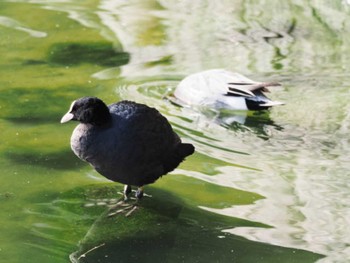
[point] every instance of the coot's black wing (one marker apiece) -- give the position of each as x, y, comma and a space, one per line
151, 148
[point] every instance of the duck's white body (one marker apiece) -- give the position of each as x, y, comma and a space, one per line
220, 88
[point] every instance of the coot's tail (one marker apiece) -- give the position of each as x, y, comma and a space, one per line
185, 149
181, 152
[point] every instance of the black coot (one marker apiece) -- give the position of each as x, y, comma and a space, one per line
126, 142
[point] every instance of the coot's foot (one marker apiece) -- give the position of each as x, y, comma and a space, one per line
123, 207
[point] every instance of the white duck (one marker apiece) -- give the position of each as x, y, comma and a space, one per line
219, 88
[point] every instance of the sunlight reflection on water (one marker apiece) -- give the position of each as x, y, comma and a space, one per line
299, 161
297, 176
305, 190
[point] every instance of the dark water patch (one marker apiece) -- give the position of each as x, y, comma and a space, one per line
33, 62
37, 105
169, 225
201, 193
206, 164
195, 133
6, 196
174, 241
57, 221
29, 120
186, 119
218, 147
64, 160
209, 165
165, 227
164, 61
258, 122
99, 53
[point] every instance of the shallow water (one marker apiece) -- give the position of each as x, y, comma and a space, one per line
262, 187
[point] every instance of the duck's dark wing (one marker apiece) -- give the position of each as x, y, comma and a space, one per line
247, 89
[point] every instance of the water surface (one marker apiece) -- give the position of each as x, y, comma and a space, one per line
262, 187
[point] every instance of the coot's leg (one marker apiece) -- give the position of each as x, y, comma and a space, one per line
139, 193
127, 191
125, 207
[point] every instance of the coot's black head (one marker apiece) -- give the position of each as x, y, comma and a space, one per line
90, 110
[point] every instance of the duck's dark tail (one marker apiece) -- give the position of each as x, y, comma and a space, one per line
181, 152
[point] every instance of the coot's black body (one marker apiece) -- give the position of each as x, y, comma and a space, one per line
126, 142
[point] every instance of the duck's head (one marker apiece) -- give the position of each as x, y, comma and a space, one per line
90, 110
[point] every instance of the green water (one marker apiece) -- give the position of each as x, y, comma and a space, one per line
272, 188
